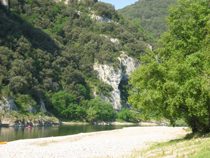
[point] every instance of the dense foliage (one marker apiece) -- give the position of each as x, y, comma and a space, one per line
47, 52
93, 110
128, 115
174, 81
151, 13
98, 110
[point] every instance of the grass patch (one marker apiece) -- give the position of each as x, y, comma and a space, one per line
202, 154
189, 147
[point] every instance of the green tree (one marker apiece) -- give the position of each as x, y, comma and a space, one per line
99, 110
26, 103
128, 115
65, 106
105, 10
63, 103
173, 81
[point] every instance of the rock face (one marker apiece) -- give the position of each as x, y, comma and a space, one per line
100, 18
7, 104
65, 1
4, 3
8, 109
9, 120
42, 106
113, 76
111, 39
128, 63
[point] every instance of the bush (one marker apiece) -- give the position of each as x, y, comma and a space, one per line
62, 103
98, 110
26, 103
127, 115
105, 10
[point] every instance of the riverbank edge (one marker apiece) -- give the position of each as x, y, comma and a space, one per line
57, 122
115, 123
15, 119
82, 138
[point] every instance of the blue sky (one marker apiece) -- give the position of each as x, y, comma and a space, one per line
119, 3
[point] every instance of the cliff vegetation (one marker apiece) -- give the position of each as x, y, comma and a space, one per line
47, 53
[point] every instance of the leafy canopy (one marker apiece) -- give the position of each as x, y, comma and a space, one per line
174, 81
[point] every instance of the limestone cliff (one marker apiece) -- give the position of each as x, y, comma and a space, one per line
113, 76
4, 2
7, 104
9, 115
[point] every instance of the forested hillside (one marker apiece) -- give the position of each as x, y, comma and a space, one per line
151, 13
47, 53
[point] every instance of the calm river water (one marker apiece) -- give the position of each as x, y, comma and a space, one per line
10, 134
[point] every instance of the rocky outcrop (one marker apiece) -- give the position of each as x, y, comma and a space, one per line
100, 18
7, 104
9, 115
128, 64
14, 119
42, 106
111, 39
4, 3
113, 76
150, 46
115, 40
65, 1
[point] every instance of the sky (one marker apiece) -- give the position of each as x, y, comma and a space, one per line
120, 3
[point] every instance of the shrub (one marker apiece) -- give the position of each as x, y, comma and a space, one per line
99, 110
26, 103
127, 115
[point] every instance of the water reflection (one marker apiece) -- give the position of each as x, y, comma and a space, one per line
10, 134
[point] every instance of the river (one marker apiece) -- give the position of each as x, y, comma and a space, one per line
11, 133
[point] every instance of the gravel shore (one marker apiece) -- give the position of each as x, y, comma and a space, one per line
111, 144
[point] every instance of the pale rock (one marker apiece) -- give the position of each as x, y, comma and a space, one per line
42, 106
113, 77
115, 40
150, 46
129, 63
5, 3
7, 104
9, 121
100, 18
65, 1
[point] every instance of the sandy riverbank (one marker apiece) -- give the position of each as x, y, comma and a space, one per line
116, 143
